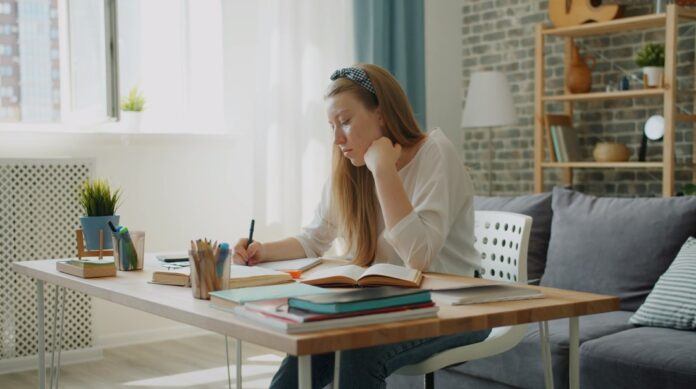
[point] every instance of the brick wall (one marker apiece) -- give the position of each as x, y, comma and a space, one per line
499, 35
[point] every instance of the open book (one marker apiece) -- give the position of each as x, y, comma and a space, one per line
375, 275
240, 277
245, 276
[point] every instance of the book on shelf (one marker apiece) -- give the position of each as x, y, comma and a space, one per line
301, 264
234, 297
177, 276
88, 268
569, 143
555, 135
483, 294
292, 327
360, 299
381, 274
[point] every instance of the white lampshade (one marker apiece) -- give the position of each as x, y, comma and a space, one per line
488, 101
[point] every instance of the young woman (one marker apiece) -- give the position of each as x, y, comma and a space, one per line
395, 195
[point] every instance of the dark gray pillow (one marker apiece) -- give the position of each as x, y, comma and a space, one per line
538, 206
615, 246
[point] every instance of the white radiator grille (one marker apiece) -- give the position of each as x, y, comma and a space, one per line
39, 212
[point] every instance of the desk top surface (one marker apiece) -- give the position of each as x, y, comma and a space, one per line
133, 289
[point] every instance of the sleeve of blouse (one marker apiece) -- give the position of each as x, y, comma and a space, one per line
419, 236
316, 237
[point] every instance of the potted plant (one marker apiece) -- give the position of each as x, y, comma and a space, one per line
131, 109
651, 58
99, 204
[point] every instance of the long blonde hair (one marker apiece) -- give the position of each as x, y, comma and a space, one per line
353, 196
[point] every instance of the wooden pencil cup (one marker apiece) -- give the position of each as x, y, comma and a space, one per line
208, 276
82, 252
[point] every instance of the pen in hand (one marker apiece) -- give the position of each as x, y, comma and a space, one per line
251, 237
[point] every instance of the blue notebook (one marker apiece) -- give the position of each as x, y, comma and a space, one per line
242, 295
360, 300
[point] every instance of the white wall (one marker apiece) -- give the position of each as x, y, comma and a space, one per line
443, 67
175, 188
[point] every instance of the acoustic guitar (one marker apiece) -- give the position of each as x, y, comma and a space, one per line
573, 12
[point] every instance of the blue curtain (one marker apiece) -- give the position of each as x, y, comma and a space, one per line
390, 33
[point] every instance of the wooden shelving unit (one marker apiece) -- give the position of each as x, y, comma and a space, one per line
669, 21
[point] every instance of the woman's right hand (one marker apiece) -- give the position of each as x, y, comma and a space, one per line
248, 255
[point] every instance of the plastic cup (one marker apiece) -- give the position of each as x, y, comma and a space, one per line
129, 254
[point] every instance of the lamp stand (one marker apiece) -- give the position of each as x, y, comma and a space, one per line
490, 162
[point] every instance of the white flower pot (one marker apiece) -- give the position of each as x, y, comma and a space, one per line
130, 121
653, 76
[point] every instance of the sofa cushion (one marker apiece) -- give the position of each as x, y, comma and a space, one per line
640, 358
672, 302
522, 365
538, 206
616, 246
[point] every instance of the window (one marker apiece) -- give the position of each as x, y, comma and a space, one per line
56, 66
172, 51
29, 61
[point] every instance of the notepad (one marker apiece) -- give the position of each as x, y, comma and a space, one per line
381, 274
483, 294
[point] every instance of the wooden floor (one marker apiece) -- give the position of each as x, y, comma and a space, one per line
195, 362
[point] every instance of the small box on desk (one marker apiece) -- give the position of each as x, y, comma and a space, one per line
88, 268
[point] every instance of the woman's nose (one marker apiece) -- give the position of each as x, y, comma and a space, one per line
339, 137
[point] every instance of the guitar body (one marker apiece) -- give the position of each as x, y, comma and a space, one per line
573, 12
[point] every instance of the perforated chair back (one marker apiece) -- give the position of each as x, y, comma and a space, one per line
502, 239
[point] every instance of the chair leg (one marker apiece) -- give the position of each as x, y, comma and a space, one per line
430, 380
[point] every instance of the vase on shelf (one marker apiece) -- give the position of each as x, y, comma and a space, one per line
579, 74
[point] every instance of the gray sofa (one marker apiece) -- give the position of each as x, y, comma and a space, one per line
615, 246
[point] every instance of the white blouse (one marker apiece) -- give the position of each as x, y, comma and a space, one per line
438, 235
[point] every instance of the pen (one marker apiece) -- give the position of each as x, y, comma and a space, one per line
251, 235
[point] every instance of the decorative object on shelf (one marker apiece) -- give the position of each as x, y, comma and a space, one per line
564, 13
654, 130
578, 74
99, 204
132, 109
690, 189
625, 84
488, 104
611, 152
651, 58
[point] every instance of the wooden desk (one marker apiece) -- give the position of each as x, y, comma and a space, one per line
132, 289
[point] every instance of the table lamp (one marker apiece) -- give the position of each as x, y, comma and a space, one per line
488, 104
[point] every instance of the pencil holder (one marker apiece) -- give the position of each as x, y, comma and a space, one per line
129, 250
208, 272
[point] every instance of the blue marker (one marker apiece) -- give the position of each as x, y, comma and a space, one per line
223, 252
129, 258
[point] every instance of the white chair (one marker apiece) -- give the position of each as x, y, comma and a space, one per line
502, 239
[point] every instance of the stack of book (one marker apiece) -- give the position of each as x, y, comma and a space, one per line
329, 310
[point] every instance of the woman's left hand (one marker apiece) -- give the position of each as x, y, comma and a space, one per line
382, 153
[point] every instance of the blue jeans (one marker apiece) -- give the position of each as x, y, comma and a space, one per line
367, 368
